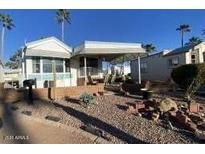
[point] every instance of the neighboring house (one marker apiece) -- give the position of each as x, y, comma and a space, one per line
48, 58
158, 66
13, 77
121, 69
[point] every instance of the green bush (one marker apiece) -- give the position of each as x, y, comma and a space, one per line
189, 77
87, 99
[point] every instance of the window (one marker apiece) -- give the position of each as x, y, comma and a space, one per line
173, 62
144, 67
67, 65
47, 66
193, 58
36, 65
59, 66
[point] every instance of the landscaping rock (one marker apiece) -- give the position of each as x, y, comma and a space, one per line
139, 106
28, 113
191, 126
139, 114
53, 118
155, 116
131, 109
96, 94
194, 107
201, 126
201, 108
172, 113
181, 118
196, 118
119, 124
101, 93
151, 109
200, 135
167, 104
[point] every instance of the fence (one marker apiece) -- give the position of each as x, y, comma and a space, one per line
12, 95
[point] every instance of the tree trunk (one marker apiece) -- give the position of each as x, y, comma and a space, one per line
62, 32
182, 39
2, 44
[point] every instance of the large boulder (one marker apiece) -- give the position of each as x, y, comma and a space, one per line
167, 104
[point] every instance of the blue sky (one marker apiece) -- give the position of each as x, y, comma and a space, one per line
141, 26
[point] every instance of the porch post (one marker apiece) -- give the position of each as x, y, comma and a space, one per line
54, 78
139, 70
123, 65
85, 70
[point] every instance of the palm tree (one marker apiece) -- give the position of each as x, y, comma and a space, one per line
194, 41
149, 47
63, 16
15, 60
7, 23
183, 29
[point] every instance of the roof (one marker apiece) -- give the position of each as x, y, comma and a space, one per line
31, 48
96, 47
40, 41
11, 71
111, 50
181, 50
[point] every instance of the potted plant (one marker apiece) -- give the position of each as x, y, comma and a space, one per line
147, 93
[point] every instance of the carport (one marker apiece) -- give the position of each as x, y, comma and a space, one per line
111, 52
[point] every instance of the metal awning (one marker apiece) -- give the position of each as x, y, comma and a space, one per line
109, 50
45, 53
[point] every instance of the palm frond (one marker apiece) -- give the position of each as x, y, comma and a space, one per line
63, 15
6, 21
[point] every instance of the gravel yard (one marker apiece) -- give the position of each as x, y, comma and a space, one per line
109, 115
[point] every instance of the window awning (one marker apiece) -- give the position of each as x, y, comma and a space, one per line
45, 53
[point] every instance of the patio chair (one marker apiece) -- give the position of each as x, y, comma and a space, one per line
90, 81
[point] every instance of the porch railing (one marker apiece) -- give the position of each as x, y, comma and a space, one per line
93, 71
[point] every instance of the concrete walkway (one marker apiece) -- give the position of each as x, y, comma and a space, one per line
19, 128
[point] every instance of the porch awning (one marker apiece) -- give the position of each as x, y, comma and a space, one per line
110, 50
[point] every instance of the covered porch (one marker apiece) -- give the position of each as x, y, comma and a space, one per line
96, 58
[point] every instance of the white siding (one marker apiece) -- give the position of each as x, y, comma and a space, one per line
157, 67
70, 80
199, 50
50, 45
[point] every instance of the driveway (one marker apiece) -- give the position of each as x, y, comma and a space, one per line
18, 128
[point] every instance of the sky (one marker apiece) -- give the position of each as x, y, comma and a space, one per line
139, 26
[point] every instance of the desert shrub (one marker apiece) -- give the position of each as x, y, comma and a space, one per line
129, 81
189, 77
119, 79
108, 78
87, 99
